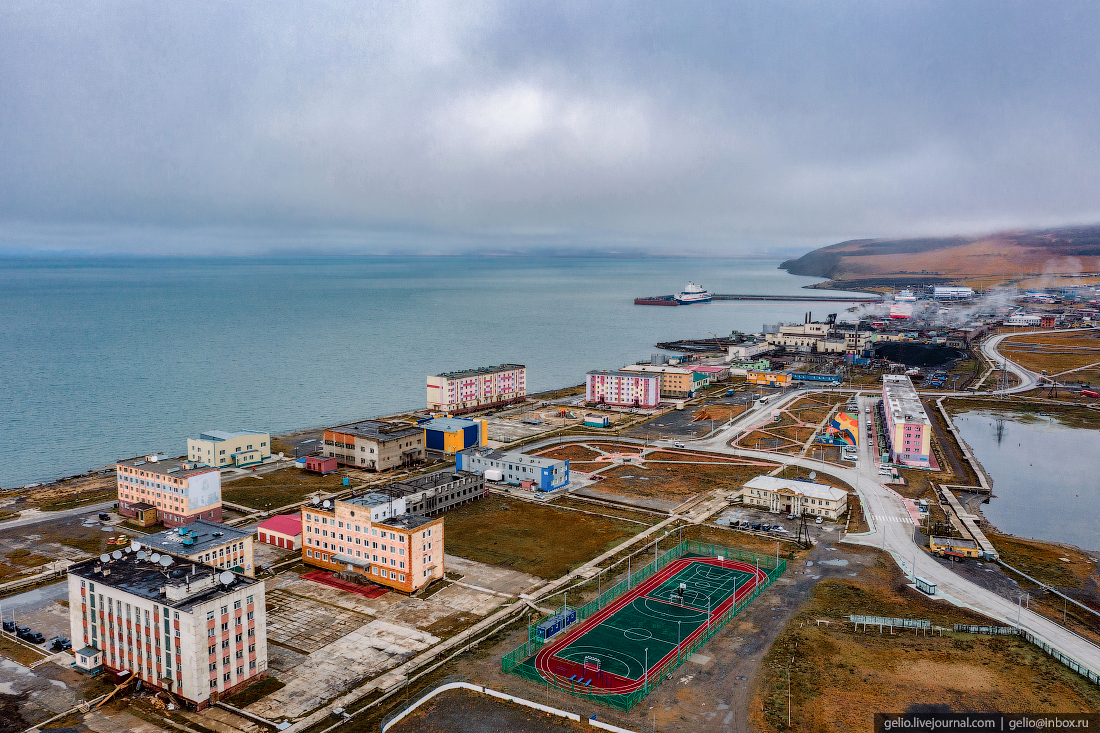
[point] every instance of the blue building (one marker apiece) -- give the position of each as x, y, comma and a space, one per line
453, 434
546, 474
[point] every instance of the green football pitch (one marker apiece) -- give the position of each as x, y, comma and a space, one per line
646, 630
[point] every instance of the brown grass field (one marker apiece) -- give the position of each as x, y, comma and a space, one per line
532, 538
676, 482
1055, 352
279, 488
569, 453
840, 677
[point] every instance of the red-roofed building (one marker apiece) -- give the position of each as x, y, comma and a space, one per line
282, 530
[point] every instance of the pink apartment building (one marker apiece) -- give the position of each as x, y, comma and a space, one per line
624, 389
908, 429
167, 491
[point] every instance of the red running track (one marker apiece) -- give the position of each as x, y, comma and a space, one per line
551, 667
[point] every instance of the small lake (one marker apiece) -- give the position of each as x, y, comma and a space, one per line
1045, 475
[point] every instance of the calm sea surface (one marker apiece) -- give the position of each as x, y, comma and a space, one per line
1044, 476
108, 358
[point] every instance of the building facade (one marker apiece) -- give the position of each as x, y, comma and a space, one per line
435, 493
375, 445
452, 434
794, 497
477, 389
210, 543
675, 382
907, 427
402, 552
219, 448
623, 389
545, 474
180, 492
769, 379
176, 627
745, 351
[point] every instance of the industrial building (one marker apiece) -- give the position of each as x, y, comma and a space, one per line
219, 448
623, 389
675, 382
906, 426
210, 543
952, 293
821, 338
155, 490
769, 379
373, 537
176, 625
452, 434
747, 350
477, 389
543, 474
1024, 319
794, 497
282, 530
375, 445
437, 492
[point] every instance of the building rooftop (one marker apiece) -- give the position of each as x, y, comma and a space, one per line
515, 457
430, 481
378, 429
480, 371
219, 435
288, 524
800, 488
369, 500
167, 466
448, 424
620, 373
656, 368
203, 536
407, 521
902, 399
182, 585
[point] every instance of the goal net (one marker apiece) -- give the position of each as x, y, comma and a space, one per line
592, 663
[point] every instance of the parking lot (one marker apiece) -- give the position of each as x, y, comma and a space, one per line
749, 518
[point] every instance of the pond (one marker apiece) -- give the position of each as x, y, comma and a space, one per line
1044, 473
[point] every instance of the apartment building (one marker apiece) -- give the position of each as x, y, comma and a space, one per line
907, 427
623, 388
477, 389
373, 536
178, 626
168, 491
220, 448
675, 382
794, 497
210, 543
376, 445
513, 467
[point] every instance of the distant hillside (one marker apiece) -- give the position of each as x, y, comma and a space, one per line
878, 262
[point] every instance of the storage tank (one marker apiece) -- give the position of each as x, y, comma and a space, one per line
493, 474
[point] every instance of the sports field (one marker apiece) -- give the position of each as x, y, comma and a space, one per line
617, 648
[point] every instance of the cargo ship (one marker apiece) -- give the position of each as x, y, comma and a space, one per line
693, 294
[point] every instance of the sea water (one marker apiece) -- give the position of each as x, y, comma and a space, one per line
107, 358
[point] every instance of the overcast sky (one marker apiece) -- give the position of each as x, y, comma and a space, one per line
726, 127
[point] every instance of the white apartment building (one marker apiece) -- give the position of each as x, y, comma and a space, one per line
220, 448
178, 627
477, 389
625, 389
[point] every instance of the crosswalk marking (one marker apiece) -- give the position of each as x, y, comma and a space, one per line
900, 520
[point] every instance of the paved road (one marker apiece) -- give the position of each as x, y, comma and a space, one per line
35, 516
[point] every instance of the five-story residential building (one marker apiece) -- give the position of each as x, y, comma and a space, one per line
623, 389
171, 492
477, 389
184, 627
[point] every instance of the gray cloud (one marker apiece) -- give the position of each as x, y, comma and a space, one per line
701, 126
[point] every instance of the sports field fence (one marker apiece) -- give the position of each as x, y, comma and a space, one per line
513, 661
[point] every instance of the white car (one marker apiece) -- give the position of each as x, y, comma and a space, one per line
679, 445
818, 520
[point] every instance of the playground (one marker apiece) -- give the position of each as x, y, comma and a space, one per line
646, 628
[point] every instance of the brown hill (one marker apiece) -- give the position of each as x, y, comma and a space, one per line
988, 259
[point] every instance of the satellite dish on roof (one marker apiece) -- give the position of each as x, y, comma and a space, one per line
813, 474
327, 503
226, 578
105, 558
140, 555
155, 557
165, 560
117, 554
135, 545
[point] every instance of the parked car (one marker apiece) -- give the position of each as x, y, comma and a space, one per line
61, 644
22, 631
756, 525
766, 527
36, 637
791, 516
9, 626
105, 516
818, 520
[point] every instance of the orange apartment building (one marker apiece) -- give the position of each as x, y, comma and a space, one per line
154, 490
373, 536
